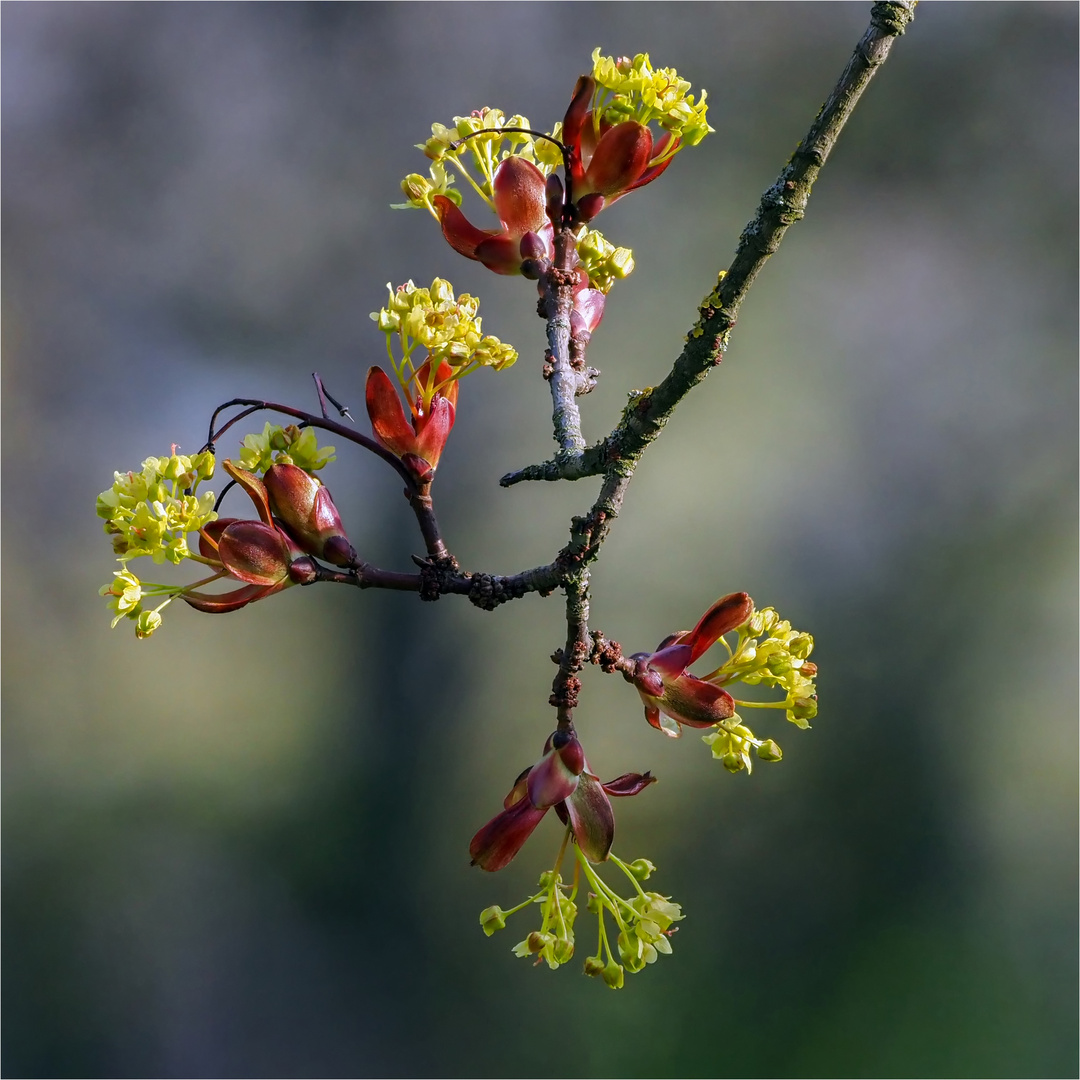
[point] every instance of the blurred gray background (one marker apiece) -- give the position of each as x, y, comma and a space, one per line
239, 849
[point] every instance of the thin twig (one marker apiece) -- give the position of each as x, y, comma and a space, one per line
557, 303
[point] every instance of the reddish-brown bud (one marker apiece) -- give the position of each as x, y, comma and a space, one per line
254, 552
303, 506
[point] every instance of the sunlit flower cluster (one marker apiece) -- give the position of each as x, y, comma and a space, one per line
633, 90
604, 144
443, 327
768, 652
493, 146
150, 512
485, 151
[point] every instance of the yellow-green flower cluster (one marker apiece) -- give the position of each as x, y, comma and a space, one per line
289, 445
485, 152
602, 260
632, 90
767, 652
442, 327
149, 514
643, 922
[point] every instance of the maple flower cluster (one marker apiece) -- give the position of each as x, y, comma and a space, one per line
447, 332
151, 513
605, 144
562, 781
765, 651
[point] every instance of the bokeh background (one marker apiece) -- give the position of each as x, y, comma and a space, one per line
239, 849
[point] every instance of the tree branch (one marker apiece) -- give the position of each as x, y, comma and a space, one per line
616, 456
781, 206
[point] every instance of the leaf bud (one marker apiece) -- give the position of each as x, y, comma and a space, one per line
554, 191
590, 205
304, 571
532, 246
254, 552
534, 269
308, 514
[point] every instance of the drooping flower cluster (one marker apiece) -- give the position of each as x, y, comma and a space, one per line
447, 332
152, 513
643, 923
766, 652
562, 780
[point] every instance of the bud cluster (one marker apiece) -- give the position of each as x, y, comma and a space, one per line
288, 445
602, 261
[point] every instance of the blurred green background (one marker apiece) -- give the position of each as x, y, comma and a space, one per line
239, 849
